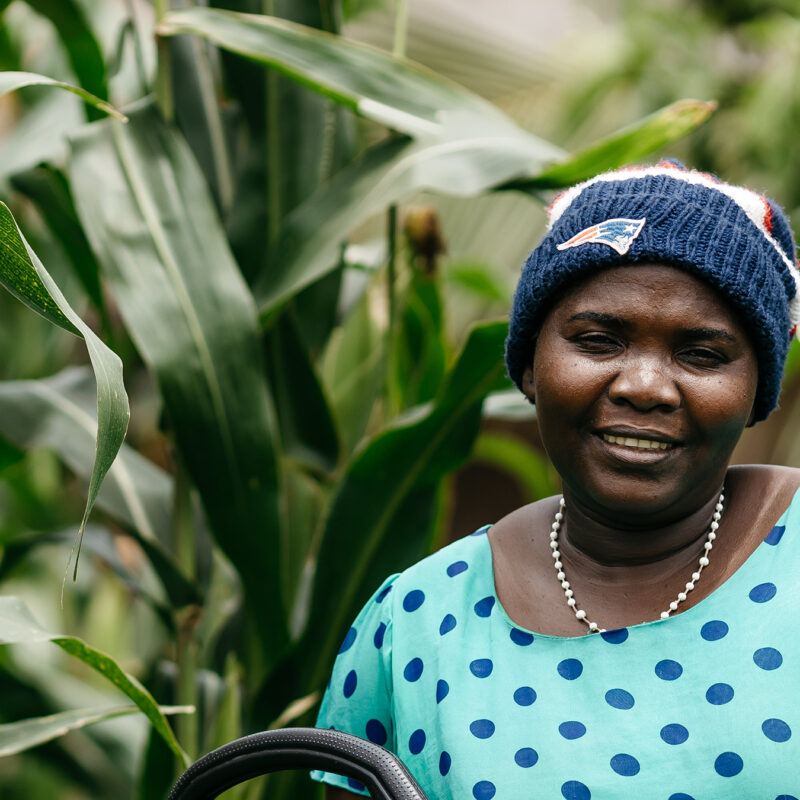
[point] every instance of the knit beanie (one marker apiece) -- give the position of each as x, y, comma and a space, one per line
732, 238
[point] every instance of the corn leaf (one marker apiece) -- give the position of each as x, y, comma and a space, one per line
626, 146
389, 489
18, 625
85, 56
152, 224
23, 275
12, 81
398, 93
26, 733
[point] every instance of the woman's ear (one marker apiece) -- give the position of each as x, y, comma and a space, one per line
528, 385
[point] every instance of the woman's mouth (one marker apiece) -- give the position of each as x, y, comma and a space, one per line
637, 444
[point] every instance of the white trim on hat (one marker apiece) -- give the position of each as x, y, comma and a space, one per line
752, 203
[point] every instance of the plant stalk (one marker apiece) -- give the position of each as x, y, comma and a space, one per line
400, 28
164, 70
183, 528
273, 145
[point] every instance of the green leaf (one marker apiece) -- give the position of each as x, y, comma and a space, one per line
307, 429
398, 93
151, 221
12, 81
352, 369
26, 733
23, 275
83, 50
626, 146
418, 351
18, 625
59, 412
47, 187
311, 238
389, 489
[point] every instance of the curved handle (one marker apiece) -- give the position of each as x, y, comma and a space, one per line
384, 775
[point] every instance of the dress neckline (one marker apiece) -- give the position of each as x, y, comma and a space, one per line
686, 615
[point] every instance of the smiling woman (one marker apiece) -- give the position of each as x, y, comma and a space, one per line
628, 638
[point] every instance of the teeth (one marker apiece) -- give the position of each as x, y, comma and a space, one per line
641, 444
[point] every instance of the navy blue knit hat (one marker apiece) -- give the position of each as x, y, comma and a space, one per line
733, 238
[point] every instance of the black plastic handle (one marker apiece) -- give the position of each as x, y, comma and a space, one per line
384, 775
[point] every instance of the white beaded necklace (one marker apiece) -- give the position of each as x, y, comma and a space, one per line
673, 606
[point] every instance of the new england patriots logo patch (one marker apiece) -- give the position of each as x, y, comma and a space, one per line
617, 233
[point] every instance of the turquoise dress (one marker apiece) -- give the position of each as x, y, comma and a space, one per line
704, 705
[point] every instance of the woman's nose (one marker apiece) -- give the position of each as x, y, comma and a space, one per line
645, 384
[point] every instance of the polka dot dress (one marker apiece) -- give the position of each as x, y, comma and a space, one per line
702, 706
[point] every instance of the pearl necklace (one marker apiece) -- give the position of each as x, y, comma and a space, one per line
673, 606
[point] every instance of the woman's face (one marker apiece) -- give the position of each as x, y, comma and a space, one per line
643, 380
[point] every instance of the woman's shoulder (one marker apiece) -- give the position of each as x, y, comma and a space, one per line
470, 552
769, 486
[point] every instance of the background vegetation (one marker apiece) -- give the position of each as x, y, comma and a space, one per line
300, 249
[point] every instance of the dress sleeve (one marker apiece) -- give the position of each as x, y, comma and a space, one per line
358, 699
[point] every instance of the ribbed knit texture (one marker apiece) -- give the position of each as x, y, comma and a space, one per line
689, 226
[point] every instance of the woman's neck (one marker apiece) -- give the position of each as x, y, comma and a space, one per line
589, 534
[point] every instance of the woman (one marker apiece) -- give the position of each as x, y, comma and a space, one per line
632, 638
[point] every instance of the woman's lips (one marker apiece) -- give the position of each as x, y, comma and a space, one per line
633, 450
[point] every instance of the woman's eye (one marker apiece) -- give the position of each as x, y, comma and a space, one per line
597, 342
703, 356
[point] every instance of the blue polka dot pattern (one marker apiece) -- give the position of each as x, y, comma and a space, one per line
616, 636
570, 669
349, 638
575, 790
522, 638
376, 732
763, 593
357, 785
413, 600
572, 729
728, 764
538, 713
719, 694
768, 658
619, 698
668, 670
524, 696
483, 608
526, 757
448, 623
775, 535
481, 667
382, 593
674, 733
714, 630
416, 742
483, 790
413, 670
776, 730
625, 765
482, 728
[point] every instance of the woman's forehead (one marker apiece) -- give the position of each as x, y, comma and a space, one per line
655, 288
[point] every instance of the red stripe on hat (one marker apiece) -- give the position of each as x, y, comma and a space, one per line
767, 215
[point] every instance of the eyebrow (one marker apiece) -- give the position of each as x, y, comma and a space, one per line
690, 333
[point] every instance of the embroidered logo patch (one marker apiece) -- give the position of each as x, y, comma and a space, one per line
617, 233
